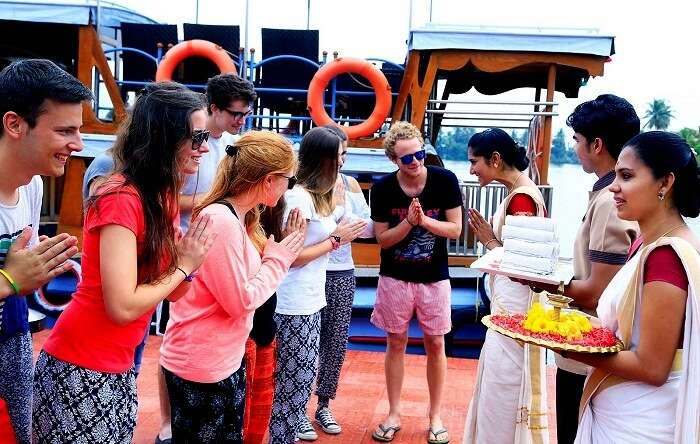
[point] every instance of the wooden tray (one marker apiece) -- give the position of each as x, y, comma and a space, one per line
552, 345
491, 263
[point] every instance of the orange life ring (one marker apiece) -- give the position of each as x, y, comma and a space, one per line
362, 67
194, 48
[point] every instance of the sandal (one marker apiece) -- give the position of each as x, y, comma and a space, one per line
385, 430
434, 438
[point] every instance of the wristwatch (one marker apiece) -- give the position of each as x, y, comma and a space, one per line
335, 241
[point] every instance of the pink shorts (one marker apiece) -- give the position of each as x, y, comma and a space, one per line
397, 300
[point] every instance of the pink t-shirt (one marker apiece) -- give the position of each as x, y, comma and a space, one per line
84, 334
208, 327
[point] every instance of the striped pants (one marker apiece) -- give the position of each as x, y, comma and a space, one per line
260, 383
297, 355
335, 322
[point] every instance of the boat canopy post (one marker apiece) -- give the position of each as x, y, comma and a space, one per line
547, 144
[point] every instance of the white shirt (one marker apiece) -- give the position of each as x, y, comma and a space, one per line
355, 208
303, 291
203, 179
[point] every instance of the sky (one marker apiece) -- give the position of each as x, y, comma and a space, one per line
657, 43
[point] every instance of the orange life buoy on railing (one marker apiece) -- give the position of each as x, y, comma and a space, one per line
194, 48
362, 67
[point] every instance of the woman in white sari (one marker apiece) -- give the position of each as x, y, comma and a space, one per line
650, 392
509, 402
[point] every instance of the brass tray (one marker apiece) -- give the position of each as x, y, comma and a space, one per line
552, 345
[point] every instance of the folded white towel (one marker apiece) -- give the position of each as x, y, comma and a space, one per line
535, 223
528, 234
532, 264
547, 250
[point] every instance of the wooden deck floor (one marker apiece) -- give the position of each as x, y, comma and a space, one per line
361, 402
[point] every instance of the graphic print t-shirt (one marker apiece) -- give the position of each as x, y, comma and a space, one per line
421, 256
13, 219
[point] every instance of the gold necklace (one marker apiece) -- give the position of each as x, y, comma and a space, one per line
671, 230
515, 181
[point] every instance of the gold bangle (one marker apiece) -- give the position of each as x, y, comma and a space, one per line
486, 245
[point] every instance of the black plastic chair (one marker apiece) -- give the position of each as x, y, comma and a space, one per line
293, 74
198, 70
145, 37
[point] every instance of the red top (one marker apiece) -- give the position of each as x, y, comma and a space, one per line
84, 334
662, 265
521, 203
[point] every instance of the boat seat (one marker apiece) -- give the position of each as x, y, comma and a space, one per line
198, 70
293, 74
145, 37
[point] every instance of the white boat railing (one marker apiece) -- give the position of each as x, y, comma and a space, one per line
485, 200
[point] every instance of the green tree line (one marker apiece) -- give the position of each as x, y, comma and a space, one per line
452, 144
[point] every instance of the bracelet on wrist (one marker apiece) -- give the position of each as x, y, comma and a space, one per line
188, 277
335, 242
486, 245
409, 222
10, 280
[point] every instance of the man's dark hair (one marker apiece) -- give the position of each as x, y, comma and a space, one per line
225, 88
25, 85
610, 118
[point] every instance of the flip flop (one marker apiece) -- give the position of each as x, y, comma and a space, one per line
434, 438
385, 429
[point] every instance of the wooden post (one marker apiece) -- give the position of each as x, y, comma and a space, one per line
70, 217
547, 138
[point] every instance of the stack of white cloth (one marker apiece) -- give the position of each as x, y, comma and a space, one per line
530, 244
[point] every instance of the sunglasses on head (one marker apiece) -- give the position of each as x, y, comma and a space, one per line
408, 158
199, 136
238, 114
291, 180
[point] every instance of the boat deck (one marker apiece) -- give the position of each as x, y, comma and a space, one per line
361, 401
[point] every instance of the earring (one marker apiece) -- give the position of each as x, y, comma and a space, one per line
661, 196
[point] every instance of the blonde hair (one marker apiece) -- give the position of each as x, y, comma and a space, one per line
253, 157
399, 131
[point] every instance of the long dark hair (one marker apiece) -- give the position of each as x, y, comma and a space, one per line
318, 167
271, 219
145, 153
666, 153
487, 142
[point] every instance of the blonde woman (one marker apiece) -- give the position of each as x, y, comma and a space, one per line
205, 340
301, 296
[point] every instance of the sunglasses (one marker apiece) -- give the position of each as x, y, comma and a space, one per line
408, 158
199, 136
291, 180
238, 114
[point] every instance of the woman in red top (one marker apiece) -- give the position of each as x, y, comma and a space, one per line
648, 392
509, 375
133, 258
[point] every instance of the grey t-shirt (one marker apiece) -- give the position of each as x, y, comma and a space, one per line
102, 165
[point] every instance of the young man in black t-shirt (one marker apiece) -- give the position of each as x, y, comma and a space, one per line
414, 210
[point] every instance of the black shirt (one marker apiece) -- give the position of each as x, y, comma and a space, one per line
420, 256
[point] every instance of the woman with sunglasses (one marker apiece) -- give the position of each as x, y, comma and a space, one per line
134, 256
204, 344
301, 296
510, 378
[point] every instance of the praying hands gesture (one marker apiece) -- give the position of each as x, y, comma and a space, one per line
195, 244
415, 213
482, 229
294, 232
32, 267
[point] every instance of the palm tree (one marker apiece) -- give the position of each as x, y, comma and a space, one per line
658, 115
